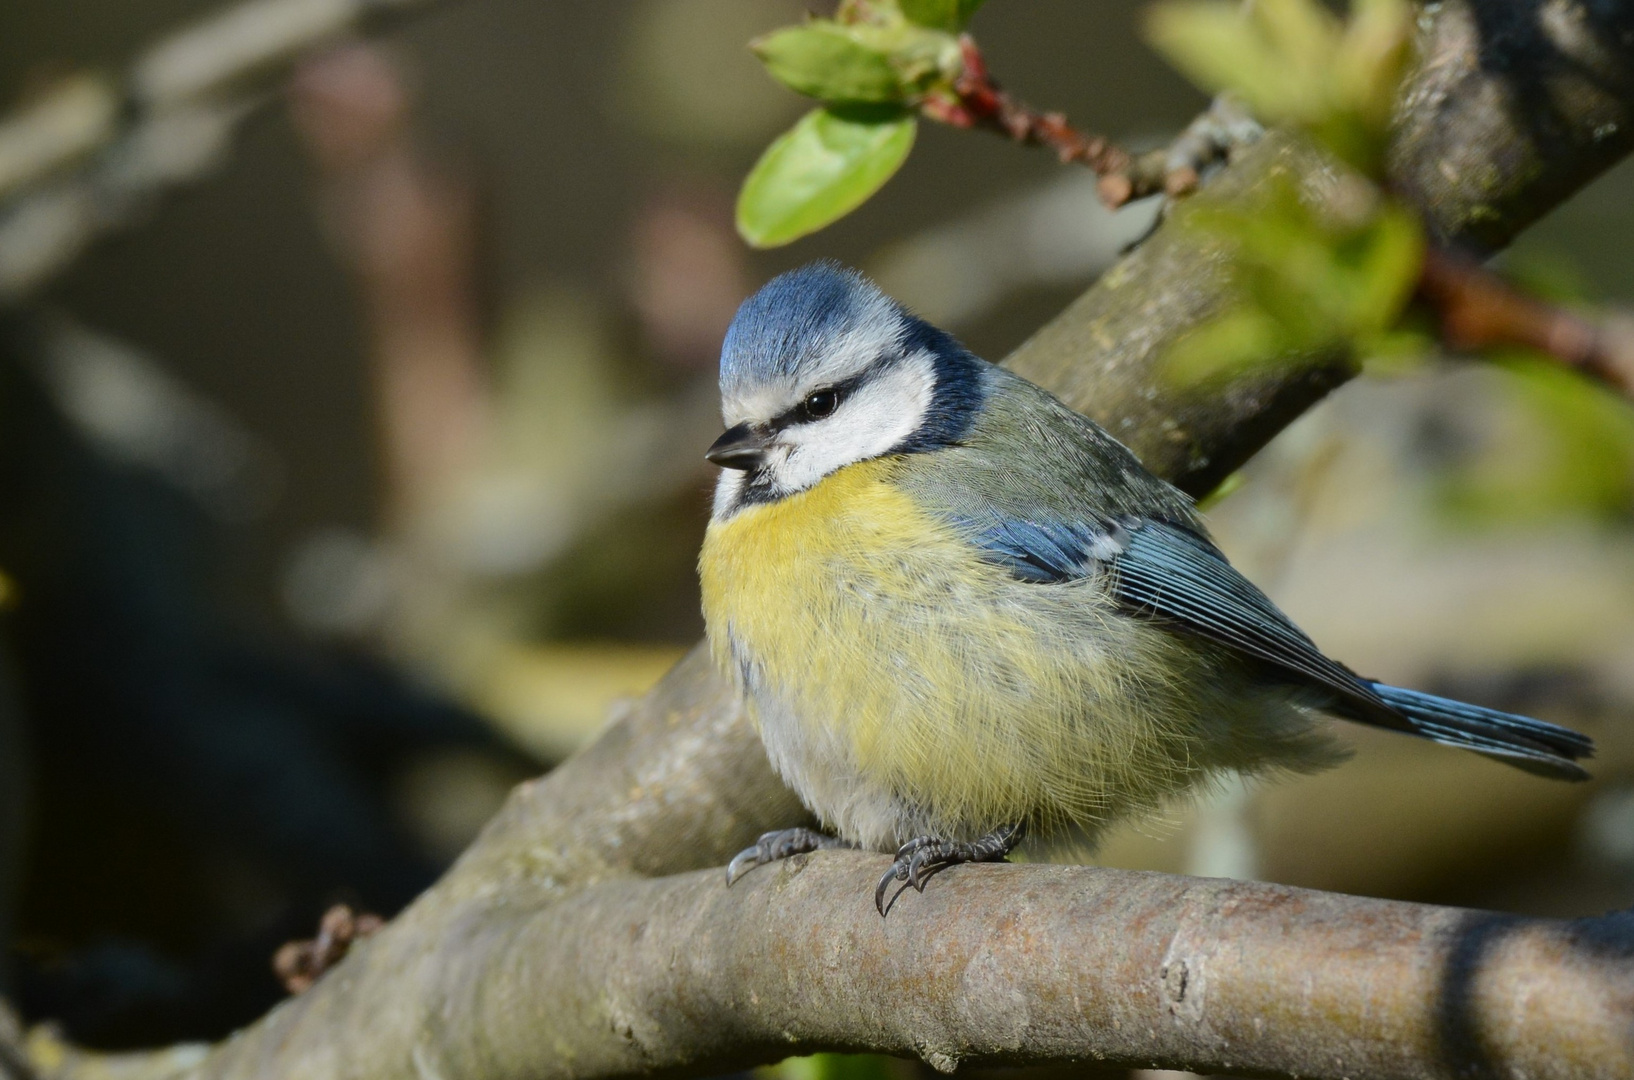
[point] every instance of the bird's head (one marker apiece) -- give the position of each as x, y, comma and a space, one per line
820, 370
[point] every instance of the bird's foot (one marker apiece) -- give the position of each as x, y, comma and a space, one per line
921, 858
777, 845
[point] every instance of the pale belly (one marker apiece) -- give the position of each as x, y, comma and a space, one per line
903, 686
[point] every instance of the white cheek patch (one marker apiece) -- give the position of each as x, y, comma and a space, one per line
877, 416
728, 490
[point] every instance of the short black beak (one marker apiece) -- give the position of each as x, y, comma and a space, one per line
740, 447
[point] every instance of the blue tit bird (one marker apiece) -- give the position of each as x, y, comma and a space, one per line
961, 612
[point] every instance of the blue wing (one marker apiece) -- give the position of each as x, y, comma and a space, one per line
1162, 570
1168, 572
1175, 574
1048, 551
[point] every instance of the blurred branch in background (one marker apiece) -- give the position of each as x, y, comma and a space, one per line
1056, 235
212, 750
408, 231
1476, 309
136, 413
90, 155
170, 744
502, 451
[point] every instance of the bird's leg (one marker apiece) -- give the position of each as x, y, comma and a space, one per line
924, 856
780, 844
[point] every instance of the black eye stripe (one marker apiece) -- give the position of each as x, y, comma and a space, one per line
812, 409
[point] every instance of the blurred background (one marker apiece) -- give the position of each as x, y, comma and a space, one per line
363, 479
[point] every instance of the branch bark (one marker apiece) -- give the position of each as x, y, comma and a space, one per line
680, 976
542, 953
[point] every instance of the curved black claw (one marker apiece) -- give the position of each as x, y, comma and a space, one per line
779, 844
891, 874
898, 870
924, 857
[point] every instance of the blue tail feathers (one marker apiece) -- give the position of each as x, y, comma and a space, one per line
1538, 747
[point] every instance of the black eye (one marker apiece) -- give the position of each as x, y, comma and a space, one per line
820, 404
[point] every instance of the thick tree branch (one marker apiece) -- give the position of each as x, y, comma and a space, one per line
994, 966
991, 965
542, 953
1194, 435
1514, 108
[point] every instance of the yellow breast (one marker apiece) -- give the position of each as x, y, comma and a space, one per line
903, 684
825, 589
887, 649
831, 586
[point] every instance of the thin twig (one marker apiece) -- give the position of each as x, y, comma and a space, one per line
298, 964
979, 102
1477, 309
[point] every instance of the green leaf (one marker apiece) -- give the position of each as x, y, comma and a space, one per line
1218, 48
949, 15
1295, 62
1373, 58
1302, 32
833, 1067
822, 60
1305, 282
1239, 339
1387, 269
1569, 451
821, 169
1396, 352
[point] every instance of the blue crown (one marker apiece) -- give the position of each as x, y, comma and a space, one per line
792, 322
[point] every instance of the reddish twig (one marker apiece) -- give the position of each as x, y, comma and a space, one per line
299, 963
1477, 309
979, 102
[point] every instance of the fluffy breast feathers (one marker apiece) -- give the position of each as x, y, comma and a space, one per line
905, 685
